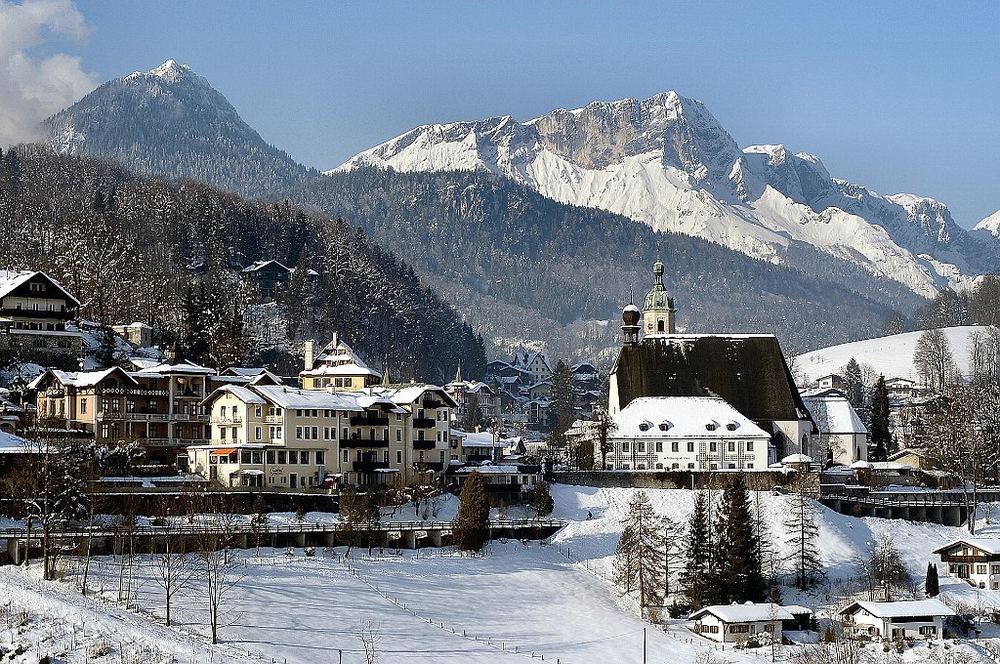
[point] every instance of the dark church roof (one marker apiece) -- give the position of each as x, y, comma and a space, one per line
746, 370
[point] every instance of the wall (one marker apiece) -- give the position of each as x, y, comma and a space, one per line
759, 481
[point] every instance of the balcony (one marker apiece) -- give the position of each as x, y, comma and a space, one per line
435, 466
15, 312
364, 442
369, 466
228, 420
273, 419
424, 444
424, 423
369, 421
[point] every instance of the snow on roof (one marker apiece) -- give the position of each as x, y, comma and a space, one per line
749, 612
183, 367
797, 458
902, 609
9, 443
9, 280
684, 417
244, 394
482, 439
861, 463
289, 397
987, 544
489, 470
833, 414
79, 378
410, 393
351, 369
258, 265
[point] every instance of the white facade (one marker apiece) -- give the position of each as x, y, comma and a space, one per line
735, 623
842, 434
898, 620
684, 433
975, 560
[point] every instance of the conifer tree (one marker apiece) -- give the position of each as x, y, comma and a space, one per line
801, 525
854, 384
881, 438
472, 524
695, 577
931, 586
640, 560
563, 404
738, 569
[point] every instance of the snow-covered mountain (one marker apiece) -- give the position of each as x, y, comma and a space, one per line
990, 224
668, 162
170, 121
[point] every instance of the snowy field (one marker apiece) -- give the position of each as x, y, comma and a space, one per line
435, 606
891, 356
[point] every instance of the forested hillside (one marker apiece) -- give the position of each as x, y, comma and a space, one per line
171, 254
529, 269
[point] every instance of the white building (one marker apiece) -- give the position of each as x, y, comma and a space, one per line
842, 435
974, 559
734, 623
684, 433
898, 620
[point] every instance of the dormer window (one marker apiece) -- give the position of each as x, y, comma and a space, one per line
665, 425
732, 426
712, 426
644, 426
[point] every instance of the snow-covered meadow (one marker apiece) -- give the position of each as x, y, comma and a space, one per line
435, 606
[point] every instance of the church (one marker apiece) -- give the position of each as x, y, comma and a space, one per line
660, 370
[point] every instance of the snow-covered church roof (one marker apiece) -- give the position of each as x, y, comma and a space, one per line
684, 417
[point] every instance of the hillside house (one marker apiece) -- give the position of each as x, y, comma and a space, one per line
337, 367
897, 620
34, 310
268, 275
974, 559
736, 623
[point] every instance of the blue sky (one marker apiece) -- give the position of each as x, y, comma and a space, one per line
900, 96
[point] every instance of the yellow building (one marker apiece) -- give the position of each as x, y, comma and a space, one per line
337, 367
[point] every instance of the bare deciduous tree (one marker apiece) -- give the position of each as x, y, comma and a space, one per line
173, 570
934, 361
370, 634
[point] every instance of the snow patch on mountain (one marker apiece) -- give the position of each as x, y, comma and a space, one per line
667, 162
990, 224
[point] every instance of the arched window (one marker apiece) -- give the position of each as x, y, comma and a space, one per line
659, 326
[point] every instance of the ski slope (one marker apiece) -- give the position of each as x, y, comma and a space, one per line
891, 356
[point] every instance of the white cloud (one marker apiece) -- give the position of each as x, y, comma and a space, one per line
33, 87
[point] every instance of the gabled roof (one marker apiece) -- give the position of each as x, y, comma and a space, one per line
289, 397
834, 414
259, 265
749, 612
984, 544
10, 280
903, 609
80, 378
410, 393
244, 394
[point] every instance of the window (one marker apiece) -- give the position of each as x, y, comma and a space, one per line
659, 466
980, 569
399, 435
749, 446
245, 456
222, 412
928, 630
642, 446
713, 446
675, 446
994, 569
399, 456
83, 406
222, 433
258, 433
345, 456
304, 457
624, 447
659, 446
256, 457
674, 466
282, 457
690, 446
270, 456
315, 433
298, 432
732, 446
320, 458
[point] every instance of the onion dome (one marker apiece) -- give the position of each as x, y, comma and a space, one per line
630, 315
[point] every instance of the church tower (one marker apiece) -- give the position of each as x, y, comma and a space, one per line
658, 312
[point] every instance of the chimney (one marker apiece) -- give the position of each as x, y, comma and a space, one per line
309, 355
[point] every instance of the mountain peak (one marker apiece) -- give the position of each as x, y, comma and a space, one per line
171, 71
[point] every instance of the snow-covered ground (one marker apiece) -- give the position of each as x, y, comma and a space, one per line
435, 606
891, 356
